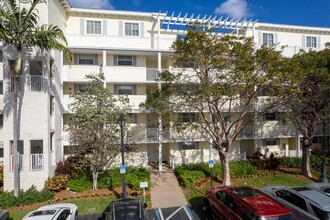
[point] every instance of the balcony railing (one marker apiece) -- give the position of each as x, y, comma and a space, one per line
37, 161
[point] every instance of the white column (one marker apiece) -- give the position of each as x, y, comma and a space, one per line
298, 154
160, 129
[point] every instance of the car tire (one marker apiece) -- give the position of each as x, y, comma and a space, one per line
76, 215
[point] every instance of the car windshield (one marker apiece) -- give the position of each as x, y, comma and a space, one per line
283, 217
43, 212
127, 211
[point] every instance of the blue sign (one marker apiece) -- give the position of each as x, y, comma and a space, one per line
211, 163
122, 169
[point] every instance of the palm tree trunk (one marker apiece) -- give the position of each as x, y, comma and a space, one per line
15, 79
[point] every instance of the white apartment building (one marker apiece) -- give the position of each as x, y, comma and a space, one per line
129, 48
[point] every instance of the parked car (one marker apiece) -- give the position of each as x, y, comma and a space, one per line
124, 209
231, 203
4, 215
322, 187
60, 211
305, 203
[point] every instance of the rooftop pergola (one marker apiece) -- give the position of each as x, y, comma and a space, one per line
221, 24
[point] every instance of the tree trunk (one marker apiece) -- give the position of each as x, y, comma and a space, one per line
15, 80
225, 168
95, 174
305, 168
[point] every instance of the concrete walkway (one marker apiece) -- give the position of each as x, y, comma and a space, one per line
165, 191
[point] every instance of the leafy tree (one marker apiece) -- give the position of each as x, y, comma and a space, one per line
308, 97
219, 78
94, 125
20, 32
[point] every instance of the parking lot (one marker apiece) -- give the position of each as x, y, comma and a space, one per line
175, 213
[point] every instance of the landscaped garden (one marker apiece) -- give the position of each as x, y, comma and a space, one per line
75, 186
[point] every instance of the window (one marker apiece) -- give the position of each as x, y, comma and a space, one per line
122, 60
132, 118
1, 58
93, 27
125, 89
1, 88
292, 198
188, 117
267, 39
270, 141
89, 59
311, 42
131, 29
51, 104
188, 145
271, 116
64, 214
1, 152
80, 87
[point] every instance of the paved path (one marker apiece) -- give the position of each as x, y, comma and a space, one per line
165, 191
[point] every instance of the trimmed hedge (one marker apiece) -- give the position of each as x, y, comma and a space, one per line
110, 179
28, 197
188, 174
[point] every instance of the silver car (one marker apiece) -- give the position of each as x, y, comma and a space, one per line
304, 203
322, 187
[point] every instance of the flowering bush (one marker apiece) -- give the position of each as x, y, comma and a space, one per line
57, 183
1, 175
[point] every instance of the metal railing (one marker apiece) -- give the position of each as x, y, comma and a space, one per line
37, 161
36, 83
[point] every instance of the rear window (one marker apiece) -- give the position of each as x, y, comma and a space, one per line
43, 212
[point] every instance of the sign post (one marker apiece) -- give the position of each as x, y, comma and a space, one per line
144, 185
211, 165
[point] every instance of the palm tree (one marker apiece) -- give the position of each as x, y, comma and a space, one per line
19, 29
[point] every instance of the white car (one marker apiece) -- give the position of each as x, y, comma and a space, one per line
60, 211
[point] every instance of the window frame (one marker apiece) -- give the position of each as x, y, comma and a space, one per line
268, 39
94, 28
117, 89
189, 146
310, 43
186, 117
87, 58
125, 60
130, 29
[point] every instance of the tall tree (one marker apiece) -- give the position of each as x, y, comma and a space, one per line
20, 31
219, 78
95, 127
308, 97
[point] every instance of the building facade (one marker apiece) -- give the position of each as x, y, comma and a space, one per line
130, 48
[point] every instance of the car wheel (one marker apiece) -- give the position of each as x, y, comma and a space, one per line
76, 215
208, 210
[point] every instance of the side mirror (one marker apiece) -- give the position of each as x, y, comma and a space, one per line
145, 205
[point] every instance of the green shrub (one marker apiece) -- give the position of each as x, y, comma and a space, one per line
316, 161
57, 183
28, 197
136, 175
188, 178
80, 182
290, 162
242, 169
112, 178
109, 179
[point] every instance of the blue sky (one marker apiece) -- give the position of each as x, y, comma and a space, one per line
295, 12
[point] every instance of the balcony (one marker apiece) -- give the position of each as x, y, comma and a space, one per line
20, 162
277, 131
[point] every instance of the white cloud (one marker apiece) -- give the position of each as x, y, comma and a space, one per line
233, 8
96, 4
